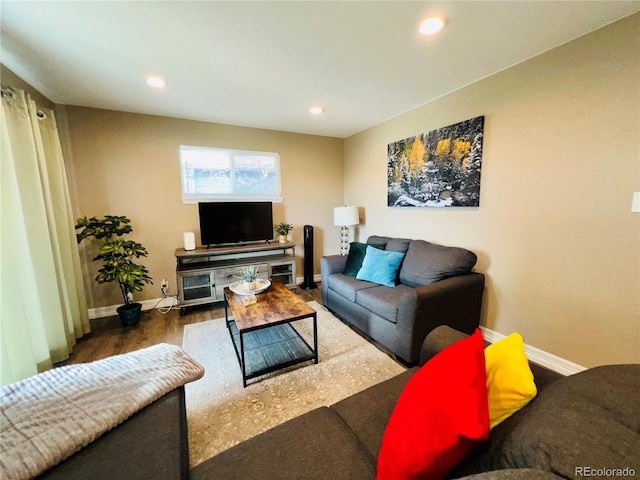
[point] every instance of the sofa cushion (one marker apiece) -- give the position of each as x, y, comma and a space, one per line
367, 413
347, 286
441, 415
357, 251
392, 244
381, 300
510, 384
426, 263
380, 266
589, 420
316, 445
378, 239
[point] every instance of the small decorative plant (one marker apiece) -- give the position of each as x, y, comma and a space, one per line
283, 229
116, 254
250, 275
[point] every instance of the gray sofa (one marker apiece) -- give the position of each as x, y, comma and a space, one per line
590, 420
435, 286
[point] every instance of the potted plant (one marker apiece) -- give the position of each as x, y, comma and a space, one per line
249, 274
117, 256
283, 229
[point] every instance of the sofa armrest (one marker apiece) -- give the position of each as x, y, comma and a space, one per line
455, 301
152, 443
330, 264
437, 340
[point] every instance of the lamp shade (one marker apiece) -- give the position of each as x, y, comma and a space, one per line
345, 216
635, 203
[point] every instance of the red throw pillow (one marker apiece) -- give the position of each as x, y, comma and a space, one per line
441, 415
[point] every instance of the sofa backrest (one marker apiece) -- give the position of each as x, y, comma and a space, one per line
392, 244
425, 262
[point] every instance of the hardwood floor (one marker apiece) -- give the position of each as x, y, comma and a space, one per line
108, 337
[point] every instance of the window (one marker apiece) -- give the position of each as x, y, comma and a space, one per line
224, 174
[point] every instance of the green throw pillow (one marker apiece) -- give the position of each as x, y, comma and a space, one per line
357, 251
380, 266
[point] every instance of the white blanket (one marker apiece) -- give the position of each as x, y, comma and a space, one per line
46, 418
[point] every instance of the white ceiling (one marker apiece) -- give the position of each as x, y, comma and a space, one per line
263, 64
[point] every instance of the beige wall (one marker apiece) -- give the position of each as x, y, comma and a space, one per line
127, 164
554, 232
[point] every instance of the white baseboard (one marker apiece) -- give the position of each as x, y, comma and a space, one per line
316, 278
545, 359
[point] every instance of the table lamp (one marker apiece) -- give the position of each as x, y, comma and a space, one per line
344, 217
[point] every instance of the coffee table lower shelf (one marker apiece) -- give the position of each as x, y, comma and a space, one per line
269, 349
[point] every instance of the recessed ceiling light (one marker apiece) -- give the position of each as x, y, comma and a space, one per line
316, 110
431, 25
155, 81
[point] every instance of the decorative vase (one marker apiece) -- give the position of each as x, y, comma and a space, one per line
130, 313
282, 238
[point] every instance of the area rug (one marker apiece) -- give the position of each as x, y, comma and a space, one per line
221, 413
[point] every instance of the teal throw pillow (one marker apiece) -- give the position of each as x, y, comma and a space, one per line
380, 266
357, 251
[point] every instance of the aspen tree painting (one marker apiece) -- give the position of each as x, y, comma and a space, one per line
440, 168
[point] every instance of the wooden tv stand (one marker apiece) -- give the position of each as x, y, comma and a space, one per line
202, 274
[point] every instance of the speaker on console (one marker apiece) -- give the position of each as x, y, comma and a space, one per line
308, 283
189, 239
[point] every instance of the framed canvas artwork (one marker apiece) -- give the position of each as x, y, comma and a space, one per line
440, 168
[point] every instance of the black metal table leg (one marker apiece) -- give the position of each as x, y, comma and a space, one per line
315, 336
242, 362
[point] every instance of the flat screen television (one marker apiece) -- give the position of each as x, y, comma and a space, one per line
223, 223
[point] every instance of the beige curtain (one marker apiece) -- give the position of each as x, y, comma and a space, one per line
42, 301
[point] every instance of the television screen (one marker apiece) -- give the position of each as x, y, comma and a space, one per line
235, 222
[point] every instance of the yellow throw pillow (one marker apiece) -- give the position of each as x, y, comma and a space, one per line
510, 384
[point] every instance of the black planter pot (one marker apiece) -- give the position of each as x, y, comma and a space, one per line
130, 313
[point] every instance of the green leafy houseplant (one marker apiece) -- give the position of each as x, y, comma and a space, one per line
283, 229
118, 257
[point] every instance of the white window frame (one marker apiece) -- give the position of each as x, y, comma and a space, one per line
192, 197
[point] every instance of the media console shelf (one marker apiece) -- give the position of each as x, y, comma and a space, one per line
202, 274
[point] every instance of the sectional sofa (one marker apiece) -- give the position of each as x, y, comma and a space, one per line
584, 425
587, 424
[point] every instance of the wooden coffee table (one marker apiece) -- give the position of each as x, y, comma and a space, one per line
263, 335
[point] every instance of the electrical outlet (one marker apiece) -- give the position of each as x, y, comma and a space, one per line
164, 283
